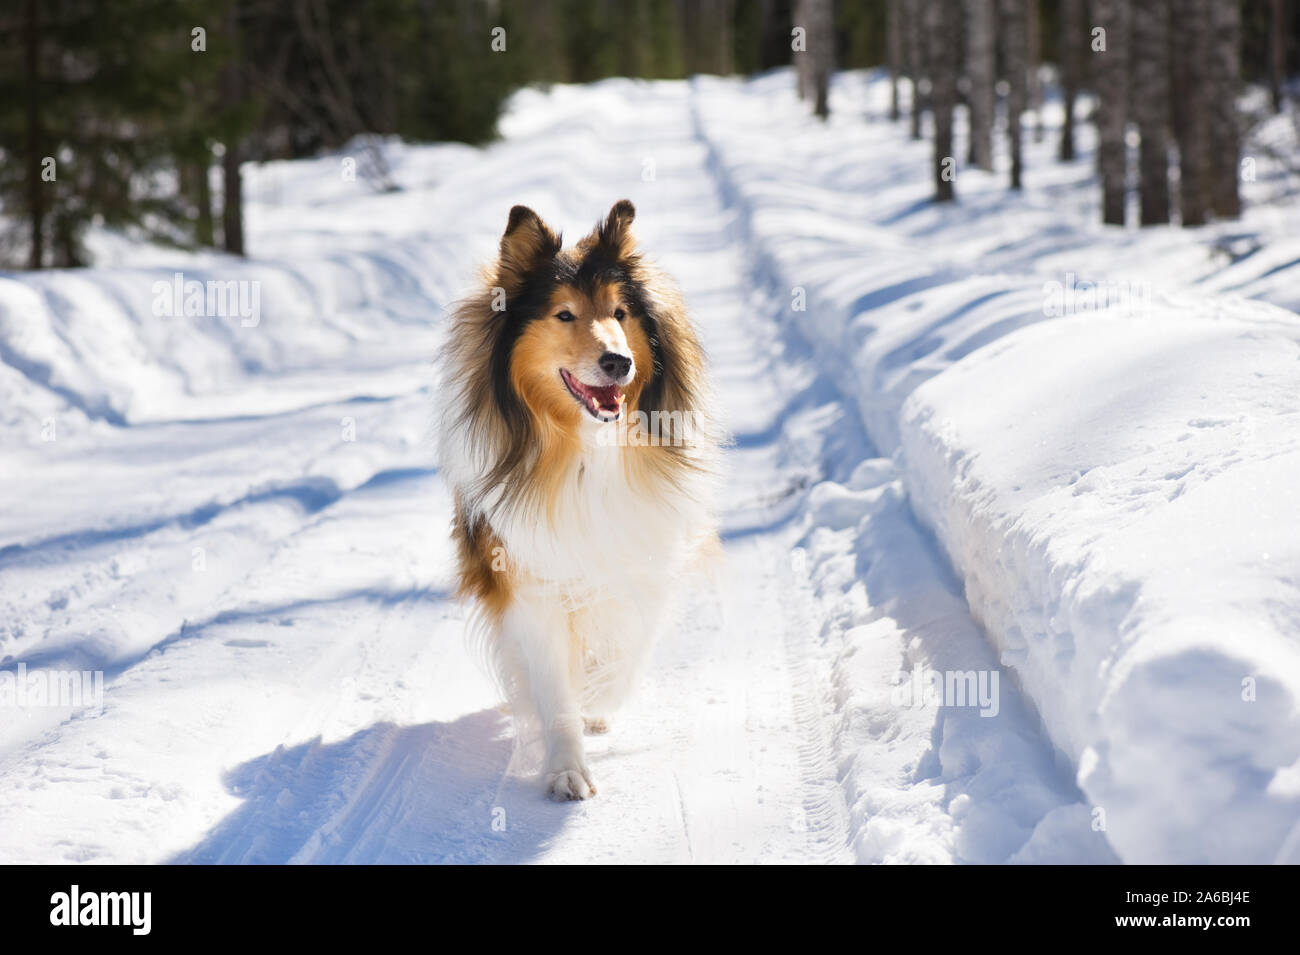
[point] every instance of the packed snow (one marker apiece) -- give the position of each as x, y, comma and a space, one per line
993, 450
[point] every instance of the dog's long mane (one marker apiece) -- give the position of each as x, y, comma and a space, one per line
517, 470
516, 454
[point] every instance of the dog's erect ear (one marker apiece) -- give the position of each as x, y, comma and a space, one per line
526, 245
615, 232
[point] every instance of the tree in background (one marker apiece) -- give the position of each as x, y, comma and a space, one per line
1191, 107
773, 30
109, 115
1277, 51
1151, 109
1073, 43
816, 61
894, 27
1034, 52
1224, 78
914, 27
861, 34
1111, 70
233, 86
91, 114
943, 26
981, 71
707, 26
35, 138
1015, 53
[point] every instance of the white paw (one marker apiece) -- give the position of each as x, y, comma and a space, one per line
595, 725
569, 784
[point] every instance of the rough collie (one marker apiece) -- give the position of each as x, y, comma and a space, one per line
575, 435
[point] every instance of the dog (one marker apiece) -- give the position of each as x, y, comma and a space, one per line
577, 440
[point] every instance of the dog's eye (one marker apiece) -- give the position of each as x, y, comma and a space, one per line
565, 315
620, 314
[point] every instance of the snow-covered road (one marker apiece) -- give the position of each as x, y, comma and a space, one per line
242, 528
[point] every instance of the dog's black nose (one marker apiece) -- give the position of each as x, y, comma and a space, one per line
615, 365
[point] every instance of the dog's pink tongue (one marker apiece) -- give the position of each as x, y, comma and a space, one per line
606, 398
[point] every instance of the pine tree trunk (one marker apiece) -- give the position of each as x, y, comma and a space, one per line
1191, 108
67, 251
232, 205
1014, 52
1073, 44
203, 229
814, 64
943, 23
1034, 38
1151, 107
823, 56
894, 42
35, 186
1277, 52
724, 15
232, 202
718, 17
1111, 69
1225, 77
981, 70
914, 33
802, 64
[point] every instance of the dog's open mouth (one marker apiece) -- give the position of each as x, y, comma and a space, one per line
604, 403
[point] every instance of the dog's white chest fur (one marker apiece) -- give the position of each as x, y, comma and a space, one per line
602, 530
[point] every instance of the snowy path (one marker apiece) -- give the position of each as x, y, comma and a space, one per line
287, 678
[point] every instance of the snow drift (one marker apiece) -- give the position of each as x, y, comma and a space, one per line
1109, 459
1120, 494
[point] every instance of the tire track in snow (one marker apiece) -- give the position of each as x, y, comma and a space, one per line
925, 811
824, 807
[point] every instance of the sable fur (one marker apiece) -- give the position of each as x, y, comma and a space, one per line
571, 548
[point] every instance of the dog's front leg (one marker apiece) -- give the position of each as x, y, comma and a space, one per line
541, 629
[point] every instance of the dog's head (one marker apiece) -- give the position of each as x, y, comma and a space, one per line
559, 343
580, 338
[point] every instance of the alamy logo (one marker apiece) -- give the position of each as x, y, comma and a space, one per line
75, 689
191, 298
926, 688
75, 907
1075, 296
658, 429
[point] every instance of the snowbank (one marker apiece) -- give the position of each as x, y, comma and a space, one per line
1120, 494
1109, 462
